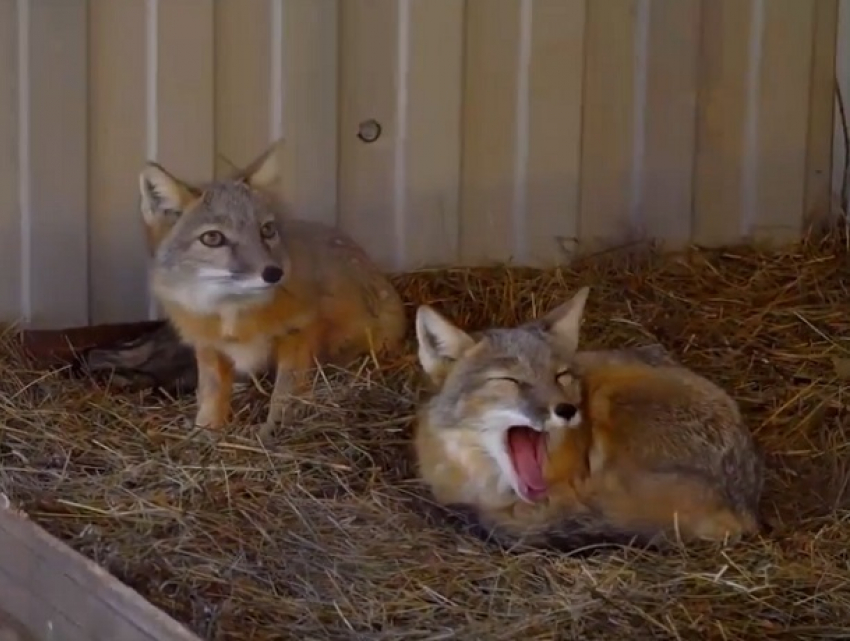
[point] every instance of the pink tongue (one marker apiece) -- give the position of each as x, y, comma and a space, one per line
524, 443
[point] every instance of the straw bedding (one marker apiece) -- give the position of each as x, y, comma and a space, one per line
324, 535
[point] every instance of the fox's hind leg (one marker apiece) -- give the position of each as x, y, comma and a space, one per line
677, 504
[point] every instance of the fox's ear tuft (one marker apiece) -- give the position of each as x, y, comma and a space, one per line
564, 322
440, 341
162, 195
264, 171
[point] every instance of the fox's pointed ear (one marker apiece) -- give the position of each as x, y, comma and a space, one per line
564, 322
264, 171
163, 198
440, 342
162, 193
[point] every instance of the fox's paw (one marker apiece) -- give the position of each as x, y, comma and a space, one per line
266, 432
194, 431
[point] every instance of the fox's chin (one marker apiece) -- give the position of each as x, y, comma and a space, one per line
206, 296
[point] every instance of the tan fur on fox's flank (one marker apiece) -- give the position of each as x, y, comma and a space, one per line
654, 452
247, 287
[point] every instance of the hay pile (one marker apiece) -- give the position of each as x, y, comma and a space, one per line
325, 537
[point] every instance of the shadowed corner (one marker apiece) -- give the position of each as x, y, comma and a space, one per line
156, 360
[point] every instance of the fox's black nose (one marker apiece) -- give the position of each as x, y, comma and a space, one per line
272, 274
565, 411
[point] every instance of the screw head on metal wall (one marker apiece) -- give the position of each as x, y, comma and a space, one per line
369, 130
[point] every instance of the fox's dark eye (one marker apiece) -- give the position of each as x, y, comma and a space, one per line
268, 231
515, 381
212, 238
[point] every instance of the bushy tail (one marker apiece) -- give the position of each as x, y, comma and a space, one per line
576, 535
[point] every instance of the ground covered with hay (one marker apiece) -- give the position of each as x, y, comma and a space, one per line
323, 536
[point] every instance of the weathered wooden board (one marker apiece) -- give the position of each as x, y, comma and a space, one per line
59, 595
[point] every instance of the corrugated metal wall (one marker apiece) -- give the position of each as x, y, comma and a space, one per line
510, 128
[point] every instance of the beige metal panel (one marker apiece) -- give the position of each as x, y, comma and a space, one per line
431, 100
117, 143
401, 65
612, 111
821, 111
489, 131
181, 131
782, 120
52, 54
553, 171
724, 178
304, 103
10, 229
368, 57
276, 75
242, 81
666, 189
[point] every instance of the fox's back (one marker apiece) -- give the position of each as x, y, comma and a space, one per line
341, 280
650, 410
670, 420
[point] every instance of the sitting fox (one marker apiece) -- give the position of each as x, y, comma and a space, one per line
248, 288
538, 443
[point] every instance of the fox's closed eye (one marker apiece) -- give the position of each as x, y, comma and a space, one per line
509, 379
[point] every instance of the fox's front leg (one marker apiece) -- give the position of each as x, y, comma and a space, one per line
293, 359
215, 388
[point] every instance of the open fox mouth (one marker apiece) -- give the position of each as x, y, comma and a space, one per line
527, 450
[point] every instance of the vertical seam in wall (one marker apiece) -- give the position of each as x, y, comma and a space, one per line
276, 84
749, 182
24, 160
400, 149
521, 133
586, 48
152, 102
641, 74
842, 75
698, 114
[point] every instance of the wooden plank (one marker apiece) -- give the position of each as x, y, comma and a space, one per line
720, 167
368, 58
242, 82
10, 227
431, 148
609, 125
304, 37
670, 121
42, 620
117, 101
489, 127
58, 593
52, 347
818, 199
54, 205
11, 629
783, 118
556, 78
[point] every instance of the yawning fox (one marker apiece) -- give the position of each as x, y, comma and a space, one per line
538, 442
